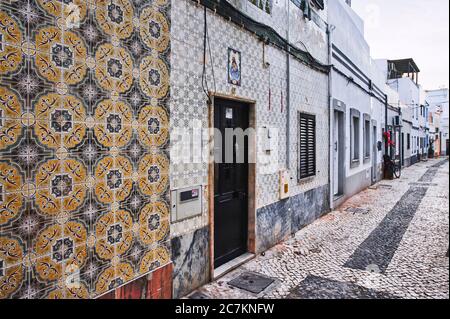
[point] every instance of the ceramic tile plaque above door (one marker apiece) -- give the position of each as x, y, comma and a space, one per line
84, 158
234, 67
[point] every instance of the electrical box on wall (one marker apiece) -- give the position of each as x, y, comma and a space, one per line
285, 191
186, 203
267, 139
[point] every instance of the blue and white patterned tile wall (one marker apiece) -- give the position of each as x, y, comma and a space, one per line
308, 89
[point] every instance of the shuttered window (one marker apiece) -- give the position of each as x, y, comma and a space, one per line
265, 5
307, 145
319, 4
301, 4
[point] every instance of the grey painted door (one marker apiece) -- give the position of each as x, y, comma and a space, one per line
336, 154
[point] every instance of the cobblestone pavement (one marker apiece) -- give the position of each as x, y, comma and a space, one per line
389, 241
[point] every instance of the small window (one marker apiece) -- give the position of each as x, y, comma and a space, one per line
264, 5
319, 4
355, 138
307, 145
408, 141
366, 139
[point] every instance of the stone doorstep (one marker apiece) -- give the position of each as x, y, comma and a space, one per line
232, 265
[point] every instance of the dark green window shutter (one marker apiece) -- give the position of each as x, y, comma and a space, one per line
319, 3
307, 145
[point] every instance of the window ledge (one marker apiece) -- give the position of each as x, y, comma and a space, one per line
366, 160
306, 180
354, 163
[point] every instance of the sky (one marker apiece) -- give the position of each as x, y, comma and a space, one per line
417, 29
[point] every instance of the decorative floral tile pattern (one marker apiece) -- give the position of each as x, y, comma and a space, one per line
84, 135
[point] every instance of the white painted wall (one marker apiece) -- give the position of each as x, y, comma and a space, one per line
410, 99
349, 34
439, 99
348, 37
301, 30
409, 96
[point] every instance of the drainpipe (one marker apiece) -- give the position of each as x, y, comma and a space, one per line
400, 137
330, 122
288, 93
288, 105
386, 146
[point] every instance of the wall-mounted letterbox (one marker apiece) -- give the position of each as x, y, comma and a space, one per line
186, 203
285, 191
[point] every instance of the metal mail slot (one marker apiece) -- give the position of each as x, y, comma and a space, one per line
189, 195
186, 203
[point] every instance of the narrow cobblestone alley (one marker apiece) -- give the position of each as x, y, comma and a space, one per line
390, 241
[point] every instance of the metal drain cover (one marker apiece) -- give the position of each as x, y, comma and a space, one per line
385, 186
251, 282
198, 295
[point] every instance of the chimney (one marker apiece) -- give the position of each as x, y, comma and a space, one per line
349, 2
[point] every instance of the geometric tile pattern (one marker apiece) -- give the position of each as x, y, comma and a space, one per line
309, 89
84, 135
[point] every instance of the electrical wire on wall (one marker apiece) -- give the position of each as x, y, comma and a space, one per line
352, 81
270, 90
230, 13
207, 47
282, 96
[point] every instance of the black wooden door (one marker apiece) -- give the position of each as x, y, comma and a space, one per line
231, 183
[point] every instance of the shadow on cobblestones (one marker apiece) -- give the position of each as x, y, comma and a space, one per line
314, 287
388, 242
381, 245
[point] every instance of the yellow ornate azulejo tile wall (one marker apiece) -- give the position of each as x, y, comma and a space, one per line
84, 132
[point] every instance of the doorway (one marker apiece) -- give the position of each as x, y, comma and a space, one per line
338, 154
231, 177
375, 155
403, 149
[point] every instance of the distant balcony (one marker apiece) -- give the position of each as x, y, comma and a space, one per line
404, 68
